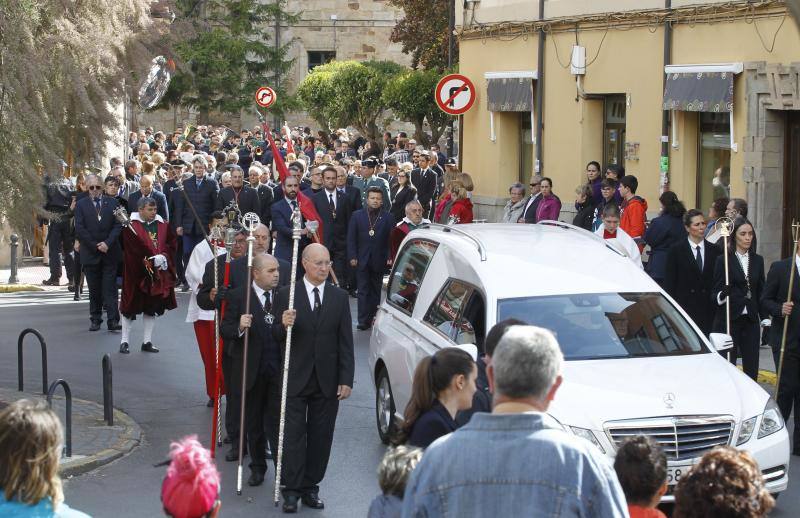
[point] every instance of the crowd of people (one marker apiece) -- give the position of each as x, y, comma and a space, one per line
364, 197
511, 460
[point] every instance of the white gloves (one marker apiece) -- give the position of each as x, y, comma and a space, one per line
159, 261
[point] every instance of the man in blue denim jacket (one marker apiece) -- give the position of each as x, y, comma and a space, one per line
516, 461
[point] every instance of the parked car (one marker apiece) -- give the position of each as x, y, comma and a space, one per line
635, 362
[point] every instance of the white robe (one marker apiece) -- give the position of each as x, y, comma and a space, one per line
200, 257
624, 244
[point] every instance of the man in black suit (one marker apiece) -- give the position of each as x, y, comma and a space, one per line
265, 196
529, 212
146, 189
424, 179
321, 370
262, 369
368, 251
246, 198
98, 232
773, 301
202, 191
170, 190
689, 272
334, 210
353, 193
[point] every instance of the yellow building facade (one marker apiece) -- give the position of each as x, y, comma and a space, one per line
609, 106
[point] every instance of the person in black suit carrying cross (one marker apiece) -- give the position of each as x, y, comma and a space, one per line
321, 369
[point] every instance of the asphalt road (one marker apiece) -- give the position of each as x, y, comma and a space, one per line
165, 394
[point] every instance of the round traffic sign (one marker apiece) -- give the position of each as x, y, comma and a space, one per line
455, 94
265, 97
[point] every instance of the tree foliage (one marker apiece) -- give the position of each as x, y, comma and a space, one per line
348, 93
64, 66
228, 55
411, 97
423, 32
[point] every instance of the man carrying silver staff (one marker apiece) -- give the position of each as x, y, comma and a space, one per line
263, 362
148, 286
321, 369
244, 198
98, 232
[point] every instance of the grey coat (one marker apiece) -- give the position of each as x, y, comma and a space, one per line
511, 213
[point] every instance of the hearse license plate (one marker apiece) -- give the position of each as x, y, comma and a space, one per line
674, 473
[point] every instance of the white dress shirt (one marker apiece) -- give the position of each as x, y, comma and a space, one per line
310, 291
331, 195
694, 247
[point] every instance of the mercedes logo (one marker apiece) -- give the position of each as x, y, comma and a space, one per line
669, 399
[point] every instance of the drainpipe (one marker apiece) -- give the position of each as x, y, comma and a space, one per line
665, 113
538, 165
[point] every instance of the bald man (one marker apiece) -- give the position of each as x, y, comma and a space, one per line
263, 363
320, 375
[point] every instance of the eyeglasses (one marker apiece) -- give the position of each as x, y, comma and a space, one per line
402, 176
321, 264
94, 188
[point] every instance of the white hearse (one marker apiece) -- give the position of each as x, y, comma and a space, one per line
635, 362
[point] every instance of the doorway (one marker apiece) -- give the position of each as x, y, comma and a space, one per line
791, 180
614, 130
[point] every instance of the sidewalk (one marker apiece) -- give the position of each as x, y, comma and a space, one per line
30, 276
93, 443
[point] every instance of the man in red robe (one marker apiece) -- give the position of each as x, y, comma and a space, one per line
148, 285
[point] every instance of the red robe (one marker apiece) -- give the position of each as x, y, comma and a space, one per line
143, 292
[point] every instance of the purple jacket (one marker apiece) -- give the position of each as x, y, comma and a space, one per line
549, 208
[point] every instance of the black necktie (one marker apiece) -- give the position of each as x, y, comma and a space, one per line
294, 205
317, 301
699, 258
331, 205
266, 303
97, 203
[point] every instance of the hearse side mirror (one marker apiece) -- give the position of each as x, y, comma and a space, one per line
721, 341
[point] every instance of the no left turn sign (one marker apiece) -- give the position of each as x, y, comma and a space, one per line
455, 94
265, 97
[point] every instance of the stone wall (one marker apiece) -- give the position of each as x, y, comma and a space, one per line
771, 89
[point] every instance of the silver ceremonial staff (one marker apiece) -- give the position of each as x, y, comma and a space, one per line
297, 227
215, 235
250, 222
725, 226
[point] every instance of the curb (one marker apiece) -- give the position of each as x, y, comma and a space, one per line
14, 288
768, 377
130, 438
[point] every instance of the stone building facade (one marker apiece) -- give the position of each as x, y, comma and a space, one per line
326, 30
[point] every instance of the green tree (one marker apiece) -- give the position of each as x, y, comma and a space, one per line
411, 97
64, 68
229, 54
423, 32
348, 93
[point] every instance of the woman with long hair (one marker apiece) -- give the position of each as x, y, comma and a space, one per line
746, 273
593, 179
665, 230
443, 384
30, 447
402, 192
457, 208
550, 206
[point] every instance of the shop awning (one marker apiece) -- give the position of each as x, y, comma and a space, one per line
510, 91
700, 88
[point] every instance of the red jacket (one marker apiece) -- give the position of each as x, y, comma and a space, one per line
461, 209
634, 215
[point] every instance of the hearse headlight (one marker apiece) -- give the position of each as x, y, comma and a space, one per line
588, 435
746, 431
771, 419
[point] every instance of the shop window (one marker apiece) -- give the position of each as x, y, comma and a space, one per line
614, 130
320, 57
714, 157
525, 148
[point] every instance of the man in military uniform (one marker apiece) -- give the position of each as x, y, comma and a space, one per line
369, 179
58, 201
